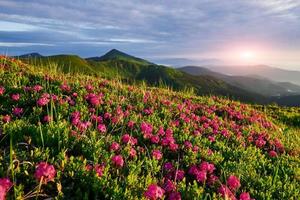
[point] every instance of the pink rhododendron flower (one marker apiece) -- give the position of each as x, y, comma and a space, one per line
130, 124
15, 97
154, 192
47, 119
37, 88
201, 176
132, 152
118, 161
45, 171
65, 87
2, 193
205, 166
168, 166
169, 186
5, 183
2, 90
42, 101
114, 146
187, 144
272, 154
226, 193
101, 128
233, 182
157, 154
245, 196
174, 196
6, 119
212, 179
17, 111
99, 170
179, 174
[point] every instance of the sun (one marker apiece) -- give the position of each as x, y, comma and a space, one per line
247, 55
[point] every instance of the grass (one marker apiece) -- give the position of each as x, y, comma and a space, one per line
191, 130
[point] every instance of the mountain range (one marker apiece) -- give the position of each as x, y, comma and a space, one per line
247, 87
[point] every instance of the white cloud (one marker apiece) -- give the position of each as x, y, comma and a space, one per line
23, 44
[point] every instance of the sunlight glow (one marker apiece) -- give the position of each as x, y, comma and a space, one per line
247, 55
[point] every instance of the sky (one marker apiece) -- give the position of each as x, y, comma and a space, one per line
225, 31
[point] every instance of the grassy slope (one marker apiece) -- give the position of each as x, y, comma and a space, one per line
63, 63
261, 176
134, 69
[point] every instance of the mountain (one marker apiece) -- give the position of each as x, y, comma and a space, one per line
31, 55
132, 69
201, 81
272, 73
115, 54
178, 62
287, 100
255, 84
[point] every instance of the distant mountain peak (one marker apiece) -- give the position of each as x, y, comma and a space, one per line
33, 54
115, 54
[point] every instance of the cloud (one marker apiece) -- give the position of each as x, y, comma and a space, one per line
24, 44
149, 27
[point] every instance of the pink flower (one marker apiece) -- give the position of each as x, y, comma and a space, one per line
89, 87
132, 152
245, 196
118, 161
42, 101
125, 138
226, 193
130, 124
5, 183
114, 146
15, 97
6, 118
169, 186
188, 144
88, 167
2, 90
205, 166
65, 87
37, 88
154, 139
99, 170
233, 182
154, 192
260, 142
174, 196
17, 111
94, 100
2, 193
179, 174
212, 179
146, 128
45, 171
101, 128
157, 154
47, 119
168, 166
201, 176
272, 154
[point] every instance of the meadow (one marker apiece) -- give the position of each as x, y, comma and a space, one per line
76, 136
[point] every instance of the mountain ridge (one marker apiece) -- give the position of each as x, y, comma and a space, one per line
129, 68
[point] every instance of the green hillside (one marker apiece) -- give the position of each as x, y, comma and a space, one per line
79, 136
63, 63
131, 69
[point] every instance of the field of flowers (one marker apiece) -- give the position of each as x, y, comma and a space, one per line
68, 136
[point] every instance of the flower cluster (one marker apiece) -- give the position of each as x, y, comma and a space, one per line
45, 172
